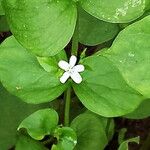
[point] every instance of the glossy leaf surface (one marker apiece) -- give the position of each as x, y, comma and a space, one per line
43, 27
23, 76
117, 11
90, 132
103, 90
93, 31
130, 53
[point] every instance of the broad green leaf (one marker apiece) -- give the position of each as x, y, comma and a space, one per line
124, 145
108, 124
124, 25
1, 8
116, 11
143, 111
103, 90
66, 137
3, 24
43, 27
26, 143
23, 76
93, 31
12, 112
131, 55
40, 123
90, 132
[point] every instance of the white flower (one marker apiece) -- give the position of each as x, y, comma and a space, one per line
71, 70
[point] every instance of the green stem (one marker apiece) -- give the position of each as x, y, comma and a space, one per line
67, 106
75, 38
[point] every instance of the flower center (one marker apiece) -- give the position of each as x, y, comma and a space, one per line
70, 70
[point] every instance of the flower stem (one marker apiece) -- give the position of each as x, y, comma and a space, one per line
67, 106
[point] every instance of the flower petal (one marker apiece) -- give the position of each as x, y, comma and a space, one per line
63, 65
73, 60
64, 77
76, 77
79, 68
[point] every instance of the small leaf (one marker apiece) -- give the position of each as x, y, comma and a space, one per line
119, 11
43, 27
103, 90
40, 123
50, 64
66, 137
12, 111
130, 54
90, 132
23, 76
26, 143
124, 145
93, 31
143, 111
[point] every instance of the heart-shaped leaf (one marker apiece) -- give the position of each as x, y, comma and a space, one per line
93, 31
44, 27
66, 137
26, 143
40, 123
117, 11
23, 76
12, 112
90, 132
103, 90
130, 53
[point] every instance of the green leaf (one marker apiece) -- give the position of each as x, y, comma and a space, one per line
147, 5
1, 8
50, 63
116, 11
124, 145
3, 24
43, 27
66, 137
130, 54
103, 90
108, 124
90, 132
22, 75
26, 143
12, 111
40, 123
143, 111
93, 31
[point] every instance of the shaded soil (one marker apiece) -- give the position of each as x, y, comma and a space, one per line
134, 128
